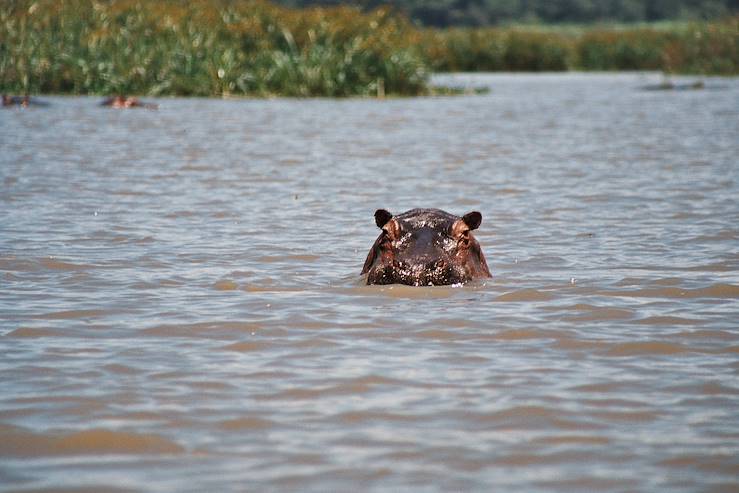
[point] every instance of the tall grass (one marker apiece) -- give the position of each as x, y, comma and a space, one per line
473, 50
205, 47
697, 48
250, 47
702, 48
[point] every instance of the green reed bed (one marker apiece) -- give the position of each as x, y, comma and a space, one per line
205, 47
696, 48
701, 48
495, 50
253, 48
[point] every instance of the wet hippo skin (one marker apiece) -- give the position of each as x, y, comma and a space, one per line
425, 247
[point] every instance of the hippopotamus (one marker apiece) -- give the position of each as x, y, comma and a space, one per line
425, 247
22, 101
121, 102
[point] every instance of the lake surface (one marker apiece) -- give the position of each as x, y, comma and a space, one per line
181, 307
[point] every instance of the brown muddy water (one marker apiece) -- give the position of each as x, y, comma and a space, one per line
181, 308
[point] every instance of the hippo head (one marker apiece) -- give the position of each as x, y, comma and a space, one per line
425, 247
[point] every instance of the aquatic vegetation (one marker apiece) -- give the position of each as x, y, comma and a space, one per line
614, 50
711, 48
254, 48
205, 47
697, 48
472, 50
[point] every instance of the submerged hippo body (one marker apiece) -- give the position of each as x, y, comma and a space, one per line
21, 101
425, 247
122, 102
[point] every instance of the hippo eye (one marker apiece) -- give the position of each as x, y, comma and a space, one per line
464, 239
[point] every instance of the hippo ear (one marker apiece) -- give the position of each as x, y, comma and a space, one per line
382, 217
472, 220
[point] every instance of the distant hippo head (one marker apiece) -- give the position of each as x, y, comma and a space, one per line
425, 247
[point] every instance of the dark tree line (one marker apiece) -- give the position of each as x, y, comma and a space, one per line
443, 13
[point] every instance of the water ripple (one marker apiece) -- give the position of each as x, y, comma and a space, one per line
181, 307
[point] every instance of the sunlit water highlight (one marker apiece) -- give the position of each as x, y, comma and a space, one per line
181, 308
